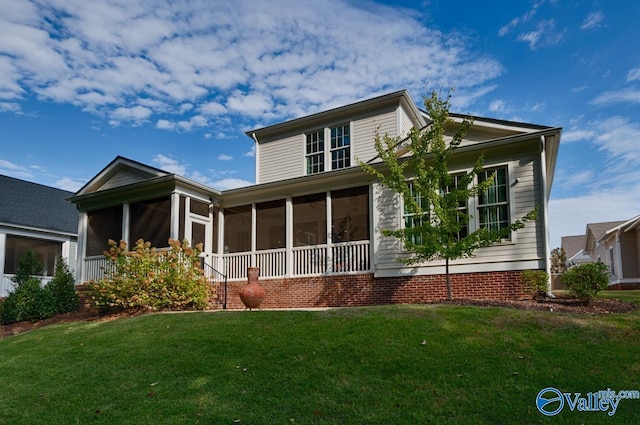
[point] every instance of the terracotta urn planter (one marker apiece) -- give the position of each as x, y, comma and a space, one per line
252, 294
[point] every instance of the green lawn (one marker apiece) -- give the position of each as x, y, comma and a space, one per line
343, 366
627, 295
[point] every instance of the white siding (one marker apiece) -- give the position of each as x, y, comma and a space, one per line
123, 177
281, 159
364, 132
526, 247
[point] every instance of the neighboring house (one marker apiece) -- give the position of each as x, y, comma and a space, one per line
36, 217
312, 222
574, 249
617, 244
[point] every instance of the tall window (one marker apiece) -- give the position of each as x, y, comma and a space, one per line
237, 229
340, 147
462, 207
350, 214
493, 204
310, 220
315, 152
413, 220
103, 225
270, 225
150, 220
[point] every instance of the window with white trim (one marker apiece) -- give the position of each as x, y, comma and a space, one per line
340, 147
315, 152
493, 204
338, 153
415, 219
462, 206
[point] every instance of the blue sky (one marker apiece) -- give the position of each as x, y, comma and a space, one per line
175, 84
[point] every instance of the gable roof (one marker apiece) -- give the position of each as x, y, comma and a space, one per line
596, 230
624, 226
572, 245
32, 205
401, 96
126, 168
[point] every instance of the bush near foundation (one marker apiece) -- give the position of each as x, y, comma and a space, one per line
535, 282
151, 279
584, 281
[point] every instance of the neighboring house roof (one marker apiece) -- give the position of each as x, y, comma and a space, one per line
624, 226
32, 205
596, 230
572, 245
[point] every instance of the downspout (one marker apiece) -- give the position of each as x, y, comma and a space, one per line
255, 138
545, 211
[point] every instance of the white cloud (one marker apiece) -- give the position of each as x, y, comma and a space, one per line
545, 34
224, 157
136, 114
633, 75
14, 170
497, 105
251, 152
176, 61
577, 134
169, 164
593, 20
617, 96
230, 183
520, 19
69, 184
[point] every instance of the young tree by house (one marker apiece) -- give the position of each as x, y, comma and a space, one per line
558, 261
436, 217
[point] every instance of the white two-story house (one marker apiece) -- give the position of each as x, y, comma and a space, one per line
312, 222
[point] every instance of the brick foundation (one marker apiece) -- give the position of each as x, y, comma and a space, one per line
364, 289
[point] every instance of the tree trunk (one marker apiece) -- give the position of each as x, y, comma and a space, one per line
449, 293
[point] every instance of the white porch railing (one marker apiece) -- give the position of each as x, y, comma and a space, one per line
7, 285
346, 257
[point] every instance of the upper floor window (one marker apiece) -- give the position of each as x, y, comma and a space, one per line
340, 147
493, 204
315, 152
338, 153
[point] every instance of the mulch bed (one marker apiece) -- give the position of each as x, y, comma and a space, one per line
561, 304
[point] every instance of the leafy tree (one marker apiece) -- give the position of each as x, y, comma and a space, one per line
558, 261
432, 195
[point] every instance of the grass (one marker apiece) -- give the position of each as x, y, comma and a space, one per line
343, 366
627, 295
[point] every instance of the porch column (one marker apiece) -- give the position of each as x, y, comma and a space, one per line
126, 224
220, 262
3, 244
174, 228
83, 221
288, 241
253, 235
329, 234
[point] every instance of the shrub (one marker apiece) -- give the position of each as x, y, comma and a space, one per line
63, 289
585, 280
150, 279
535, 282
28, 301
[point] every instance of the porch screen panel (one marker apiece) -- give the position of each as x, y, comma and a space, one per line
151, 220
237, 229
198, 234
350, 214
270, 225
309, 220
103, 225
46, 251
181, 218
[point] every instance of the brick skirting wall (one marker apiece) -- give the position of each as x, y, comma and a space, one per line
364, 289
